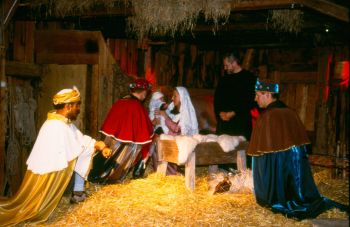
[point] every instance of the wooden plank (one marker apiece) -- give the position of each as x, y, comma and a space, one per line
323, 6
123, 59
21, 69
241, 160
248, 59
116, 55
162, 166
66, 58
23, 41
257, 5
168, 151
311, 108
132, 57
190, 171
297, 67
105, 78
94, 127
324, 61
299, 77
328, 8
111, 45
67, 47
301, 98
3, 114
8, 8
210, 153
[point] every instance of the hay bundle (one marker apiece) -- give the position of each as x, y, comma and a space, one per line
161, 17
287, 20
157, 17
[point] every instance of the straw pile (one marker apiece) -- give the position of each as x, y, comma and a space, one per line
164, 201
286, 20
159, 17
167, 17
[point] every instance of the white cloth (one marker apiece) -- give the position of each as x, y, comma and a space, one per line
57, 144
187, 116
229, 143
154, 104
187, 144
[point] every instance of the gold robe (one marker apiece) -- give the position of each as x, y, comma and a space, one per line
36, 198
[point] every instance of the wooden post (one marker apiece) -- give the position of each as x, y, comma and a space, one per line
3, 114
241, 160
248, 59
321, 109
190, 171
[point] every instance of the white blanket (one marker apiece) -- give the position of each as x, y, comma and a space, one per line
186, 144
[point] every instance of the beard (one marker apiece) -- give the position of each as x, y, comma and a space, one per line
73, 115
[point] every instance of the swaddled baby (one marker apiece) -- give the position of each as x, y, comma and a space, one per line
157, 103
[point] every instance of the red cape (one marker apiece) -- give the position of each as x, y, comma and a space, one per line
128, 121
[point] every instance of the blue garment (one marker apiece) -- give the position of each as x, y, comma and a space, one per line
283, 181
79, 183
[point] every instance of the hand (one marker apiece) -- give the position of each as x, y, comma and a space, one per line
106, 152
226, 116
99, 145
156, 121
162, 113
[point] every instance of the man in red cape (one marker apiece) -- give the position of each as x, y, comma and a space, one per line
129, 133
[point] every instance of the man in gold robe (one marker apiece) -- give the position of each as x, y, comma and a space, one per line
59, 150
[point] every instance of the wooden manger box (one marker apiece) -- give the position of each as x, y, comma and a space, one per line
206, 153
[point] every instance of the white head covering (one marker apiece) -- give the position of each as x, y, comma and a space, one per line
156, 103
187, 116
66, 96
156, 95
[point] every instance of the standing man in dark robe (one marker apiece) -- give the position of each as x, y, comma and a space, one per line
281, 171
128, 131
234, 99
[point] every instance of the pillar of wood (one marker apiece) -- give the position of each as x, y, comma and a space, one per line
3, 111
190, 171
248, 59
321, 146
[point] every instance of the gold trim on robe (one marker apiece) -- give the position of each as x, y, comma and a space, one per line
36, 198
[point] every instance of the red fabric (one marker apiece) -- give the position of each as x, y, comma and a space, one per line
255, 114
145, 150
128, 121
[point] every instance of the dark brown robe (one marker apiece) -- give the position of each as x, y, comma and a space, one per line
278, 128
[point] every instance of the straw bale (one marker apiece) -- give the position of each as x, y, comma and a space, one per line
287, 20
159, 200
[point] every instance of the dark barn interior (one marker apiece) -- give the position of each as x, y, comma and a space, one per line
99, 46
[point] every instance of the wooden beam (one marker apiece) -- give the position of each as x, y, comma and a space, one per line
3, 102
259, 5
67, 47
323, 6
328, 8
21, 69
9, 9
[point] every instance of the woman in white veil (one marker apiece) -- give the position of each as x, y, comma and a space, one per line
187, 115
180, 118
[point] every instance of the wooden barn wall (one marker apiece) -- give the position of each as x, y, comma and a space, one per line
304, 75
21, 104
68, 47
42, 60
55, 78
